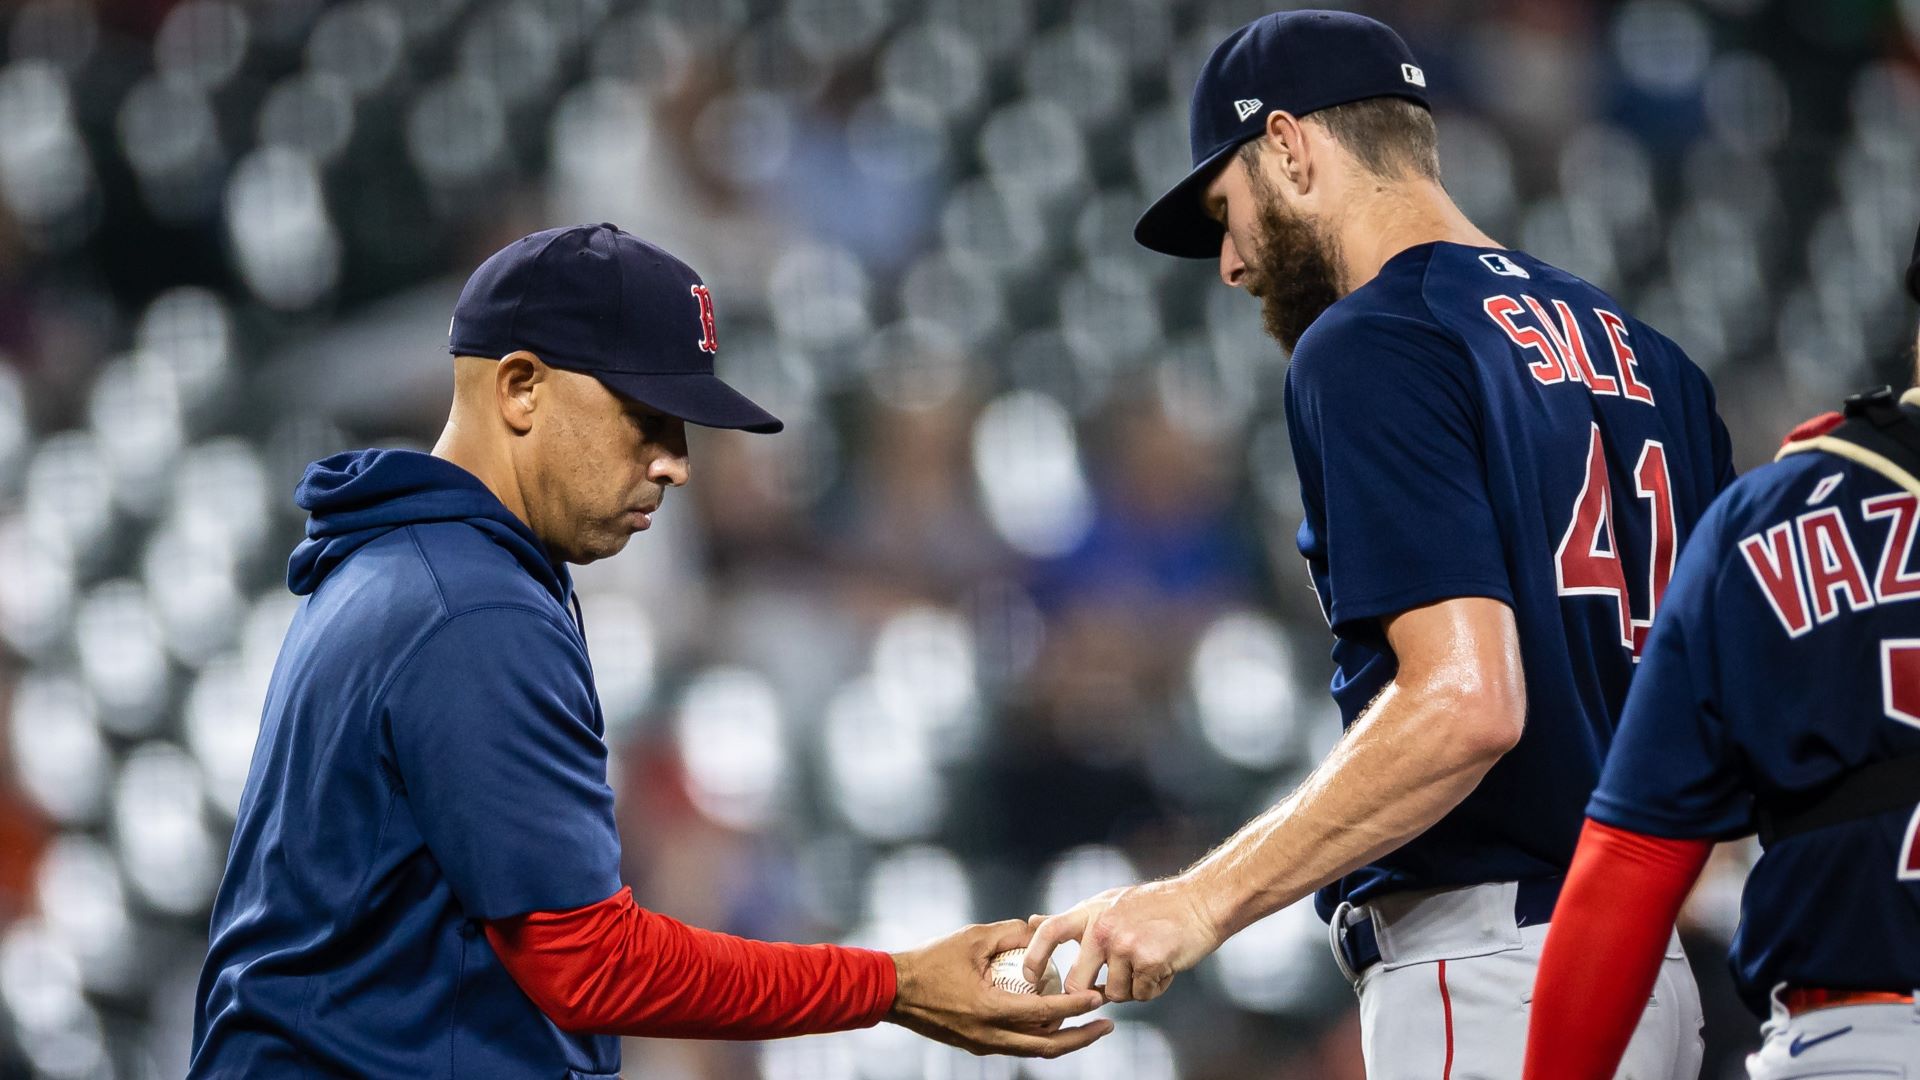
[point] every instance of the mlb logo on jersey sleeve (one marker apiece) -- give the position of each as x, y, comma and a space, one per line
1504, 266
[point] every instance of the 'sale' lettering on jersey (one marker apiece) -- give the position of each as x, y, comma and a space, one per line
1562, 346
1623, 357
1547, 370
1573, 345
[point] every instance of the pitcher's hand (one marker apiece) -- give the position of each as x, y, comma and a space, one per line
944, 993
1144, 934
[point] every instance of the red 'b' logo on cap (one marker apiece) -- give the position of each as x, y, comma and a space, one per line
708, 342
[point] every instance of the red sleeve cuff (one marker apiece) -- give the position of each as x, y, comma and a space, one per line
1619, 902
617, 968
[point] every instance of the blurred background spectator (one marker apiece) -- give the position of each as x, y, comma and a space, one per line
1010, 614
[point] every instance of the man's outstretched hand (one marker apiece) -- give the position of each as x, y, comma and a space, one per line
1143, 934
944, 993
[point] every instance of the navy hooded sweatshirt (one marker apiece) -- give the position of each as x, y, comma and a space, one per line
430, 758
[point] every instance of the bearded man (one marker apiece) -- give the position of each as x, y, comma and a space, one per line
1497, 465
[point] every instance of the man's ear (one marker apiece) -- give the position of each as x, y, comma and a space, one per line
1289, 158
519, 387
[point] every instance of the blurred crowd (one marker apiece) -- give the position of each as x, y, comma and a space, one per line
1011, 613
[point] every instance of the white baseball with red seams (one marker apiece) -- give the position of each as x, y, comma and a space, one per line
1006, 970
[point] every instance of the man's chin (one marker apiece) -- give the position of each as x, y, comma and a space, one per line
600, 547
1282, 326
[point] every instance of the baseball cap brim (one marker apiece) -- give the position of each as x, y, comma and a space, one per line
1176, 224
695, 397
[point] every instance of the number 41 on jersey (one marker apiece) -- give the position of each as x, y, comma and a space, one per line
1588, 561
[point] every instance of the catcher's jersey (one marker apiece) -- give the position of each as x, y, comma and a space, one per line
1475, 422
1786, 655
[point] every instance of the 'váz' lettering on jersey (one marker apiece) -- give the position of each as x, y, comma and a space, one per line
1810, 566
1562, 346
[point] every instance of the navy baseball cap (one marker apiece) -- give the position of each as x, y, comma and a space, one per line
605, 303
1299, 61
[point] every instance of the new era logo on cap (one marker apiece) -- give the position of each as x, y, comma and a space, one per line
1246, 106
1413, 75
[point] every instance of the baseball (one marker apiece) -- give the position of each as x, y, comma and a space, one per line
1004, 971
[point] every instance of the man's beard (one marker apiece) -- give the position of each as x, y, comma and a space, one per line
1291, 271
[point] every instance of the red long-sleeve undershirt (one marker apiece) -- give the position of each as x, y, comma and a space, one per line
1604, 949
615, 968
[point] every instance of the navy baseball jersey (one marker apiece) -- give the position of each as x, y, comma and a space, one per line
1784, 658
1475, 422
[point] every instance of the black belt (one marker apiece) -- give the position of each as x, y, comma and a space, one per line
1532, 905
1868, 791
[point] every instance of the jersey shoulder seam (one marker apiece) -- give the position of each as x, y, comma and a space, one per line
429, 562
1433, 317
433, 575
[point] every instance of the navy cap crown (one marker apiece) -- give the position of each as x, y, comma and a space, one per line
587, 298
1297, 61
599, 300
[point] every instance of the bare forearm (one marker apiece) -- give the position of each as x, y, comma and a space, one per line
1401, 768
1456, 704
